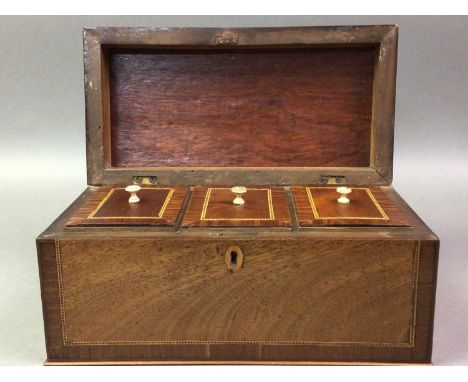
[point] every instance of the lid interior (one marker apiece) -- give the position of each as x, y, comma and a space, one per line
248, 108
272, 106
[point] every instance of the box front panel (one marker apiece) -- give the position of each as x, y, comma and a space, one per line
279, 292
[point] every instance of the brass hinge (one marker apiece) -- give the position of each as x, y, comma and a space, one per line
142, 180
332, 179
227, 38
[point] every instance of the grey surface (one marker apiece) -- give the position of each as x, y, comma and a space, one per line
42, 152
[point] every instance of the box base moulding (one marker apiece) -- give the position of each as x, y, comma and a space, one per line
194, 362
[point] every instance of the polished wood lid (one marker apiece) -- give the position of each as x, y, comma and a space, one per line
214, 207
258, 106
319, 206
158, 206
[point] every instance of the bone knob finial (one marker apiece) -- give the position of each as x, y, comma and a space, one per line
238, 191
344, 191
133, 189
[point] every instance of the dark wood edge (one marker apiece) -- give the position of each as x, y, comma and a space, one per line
183, 209
383, 108
42, 277
292, 209
97, 122
302, 35
434, 246
425, 299
258, 176
95, 133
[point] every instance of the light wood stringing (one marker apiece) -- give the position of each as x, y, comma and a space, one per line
162, 292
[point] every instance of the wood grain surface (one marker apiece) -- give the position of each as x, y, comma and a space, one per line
335, 293
109, 206
369, 206
255, 107
212, 206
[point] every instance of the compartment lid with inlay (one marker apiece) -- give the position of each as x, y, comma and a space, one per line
110, 206
215, 207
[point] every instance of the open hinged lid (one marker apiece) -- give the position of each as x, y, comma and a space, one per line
240, 106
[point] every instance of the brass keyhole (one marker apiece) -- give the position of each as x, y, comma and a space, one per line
234, 258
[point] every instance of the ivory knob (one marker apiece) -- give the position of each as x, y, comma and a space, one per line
133, 189
238, 191
344, 191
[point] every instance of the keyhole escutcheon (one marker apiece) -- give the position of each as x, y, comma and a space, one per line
234, 257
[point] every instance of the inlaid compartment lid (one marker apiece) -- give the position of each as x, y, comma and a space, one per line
214, 207
240, 106
110, 206
319, 206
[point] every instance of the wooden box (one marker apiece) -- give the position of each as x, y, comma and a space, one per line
291, 276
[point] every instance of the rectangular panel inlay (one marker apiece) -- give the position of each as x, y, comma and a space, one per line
142, 292
218, 205
152, 204
214, 206
368, 206
362, 205
109, 206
